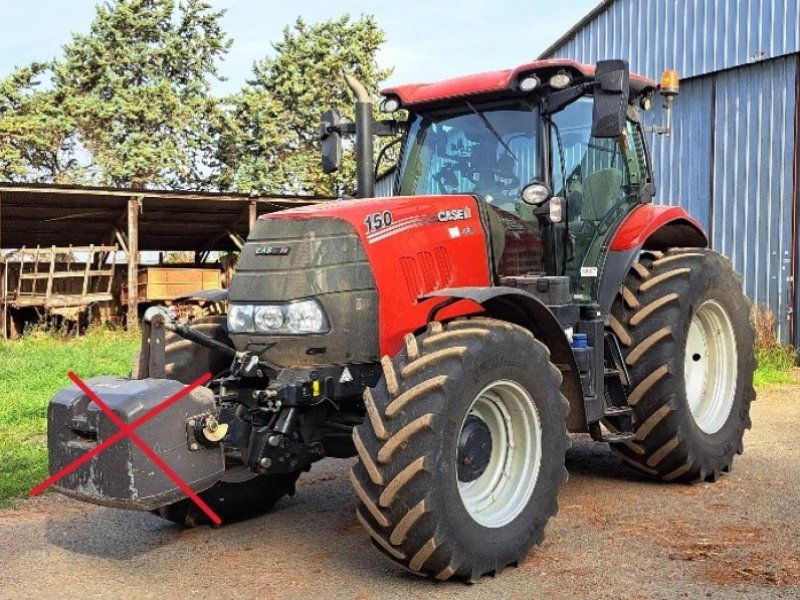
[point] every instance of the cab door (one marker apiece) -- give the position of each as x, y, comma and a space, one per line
601, 180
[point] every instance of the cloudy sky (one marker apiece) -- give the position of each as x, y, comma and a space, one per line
427, 39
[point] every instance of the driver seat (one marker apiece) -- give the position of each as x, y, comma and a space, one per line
600, 192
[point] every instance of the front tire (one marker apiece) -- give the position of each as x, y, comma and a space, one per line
185, 361
462, 454
684, 325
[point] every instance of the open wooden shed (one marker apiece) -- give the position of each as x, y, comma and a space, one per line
65, 247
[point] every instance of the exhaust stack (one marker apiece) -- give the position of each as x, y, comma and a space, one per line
365, 162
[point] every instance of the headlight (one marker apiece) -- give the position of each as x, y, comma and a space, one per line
303, 316
269, 318
240, 318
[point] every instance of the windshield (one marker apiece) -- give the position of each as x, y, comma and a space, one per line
490, 152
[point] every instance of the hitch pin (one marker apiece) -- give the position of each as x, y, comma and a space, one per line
213, 430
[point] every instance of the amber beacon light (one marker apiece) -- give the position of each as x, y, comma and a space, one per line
670, 83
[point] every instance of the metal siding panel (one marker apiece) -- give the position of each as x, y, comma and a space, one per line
707, 36
796, 205
791, 30
694, 36
682, 161
384, 186
753, 179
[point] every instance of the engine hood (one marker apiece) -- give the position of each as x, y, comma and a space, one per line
399, 248
431, 209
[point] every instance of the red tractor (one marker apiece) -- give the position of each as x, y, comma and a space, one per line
521, 286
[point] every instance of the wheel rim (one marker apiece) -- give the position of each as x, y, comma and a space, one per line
710, 366
507, 480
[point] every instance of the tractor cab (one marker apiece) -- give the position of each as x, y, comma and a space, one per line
554, 149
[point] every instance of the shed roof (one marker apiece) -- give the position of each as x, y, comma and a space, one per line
48, 215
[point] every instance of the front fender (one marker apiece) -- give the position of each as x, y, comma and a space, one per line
526, 310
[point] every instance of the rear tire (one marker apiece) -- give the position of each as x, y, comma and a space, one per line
450, 485
185, 361
684, 326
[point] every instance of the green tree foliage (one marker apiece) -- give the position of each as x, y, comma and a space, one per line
268, 133
137, 89
129, 104
36, 141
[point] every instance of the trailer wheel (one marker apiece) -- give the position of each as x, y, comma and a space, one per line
232, 501
462, 454
685, 330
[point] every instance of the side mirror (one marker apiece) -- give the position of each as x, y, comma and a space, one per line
611, 92
331, 135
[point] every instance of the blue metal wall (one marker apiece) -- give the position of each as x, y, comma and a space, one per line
730, 162
755, 151
384, 185
693, 36
682, 161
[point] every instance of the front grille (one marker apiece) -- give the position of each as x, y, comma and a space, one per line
290, 259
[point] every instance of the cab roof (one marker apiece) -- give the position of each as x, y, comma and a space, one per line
498, 83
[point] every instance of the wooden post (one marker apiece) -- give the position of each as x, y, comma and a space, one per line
89, 261
133, 262
35, 281
253, 215
52, 271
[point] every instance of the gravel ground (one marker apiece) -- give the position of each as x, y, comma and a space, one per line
616, 536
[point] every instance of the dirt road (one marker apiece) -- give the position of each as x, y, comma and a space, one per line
616, 536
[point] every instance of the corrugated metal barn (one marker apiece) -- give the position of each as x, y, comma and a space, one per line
733, 159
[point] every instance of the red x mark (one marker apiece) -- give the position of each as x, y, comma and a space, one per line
126, 430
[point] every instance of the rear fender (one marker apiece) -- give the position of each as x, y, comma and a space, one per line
523, 309
648, 227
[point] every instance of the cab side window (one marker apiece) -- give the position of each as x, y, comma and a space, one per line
595, 169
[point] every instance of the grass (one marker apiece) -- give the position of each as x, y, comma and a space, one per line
31, 371
776, 366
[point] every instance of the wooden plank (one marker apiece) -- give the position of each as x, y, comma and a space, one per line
72, 249
102, 273
61, 300
52, 271
121, 239
235, 238
68, 274
86, 271
35, 269
112, 270
55, 275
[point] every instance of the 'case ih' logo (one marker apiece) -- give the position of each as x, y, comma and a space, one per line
272, 250
456, 214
